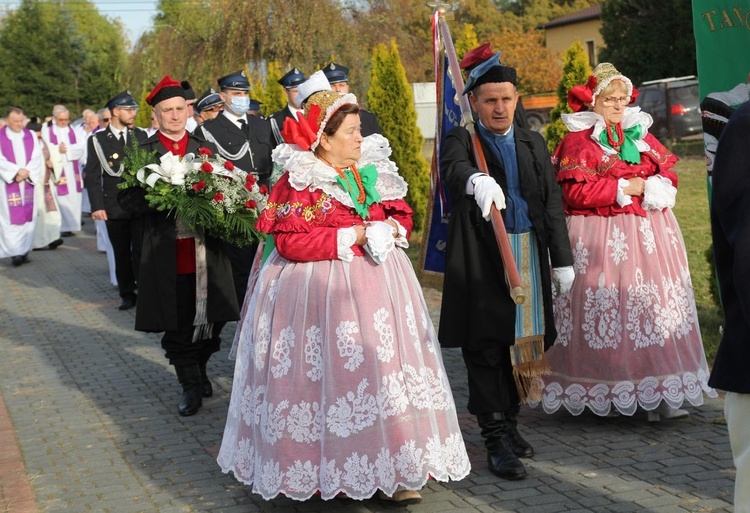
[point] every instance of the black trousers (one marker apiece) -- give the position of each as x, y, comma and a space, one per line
178, 345
492, 388
241, 259
126, 237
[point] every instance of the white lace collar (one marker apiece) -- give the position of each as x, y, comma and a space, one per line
306, 170
580, 121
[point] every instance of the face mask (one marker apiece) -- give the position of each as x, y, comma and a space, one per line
240, 104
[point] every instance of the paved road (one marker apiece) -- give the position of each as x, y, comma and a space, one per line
93, 404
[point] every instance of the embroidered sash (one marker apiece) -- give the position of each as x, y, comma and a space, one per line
62, 186
20, 207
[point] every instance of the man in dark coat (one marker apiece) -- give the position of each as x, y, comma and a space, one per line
102, 175
730, 226
172, 271
338, 77
247, 142
478, 313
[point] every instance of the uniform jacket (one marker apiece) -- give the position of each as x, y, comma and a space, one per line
102, 187
369, 122
730, 225
158, 303
230, 138
280, 115
477, 310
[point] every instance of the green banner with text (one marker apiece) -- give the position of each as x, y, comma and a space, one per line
722, 39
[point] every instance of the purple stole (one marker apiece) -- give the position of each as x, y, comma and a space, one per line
21, 208
62, 187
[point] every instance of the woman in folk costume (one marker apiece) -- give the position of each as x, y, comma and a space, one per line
339, 385
628, 328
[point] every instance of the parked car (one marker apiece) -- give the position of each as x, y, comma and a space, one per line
674, 103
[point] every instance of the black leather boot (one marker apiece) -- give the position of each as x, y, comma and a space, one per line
190, 379
520, 447
500, 457
207, 389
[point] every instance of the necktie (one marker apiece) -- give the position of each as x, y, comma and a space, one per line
243, 124
121, 138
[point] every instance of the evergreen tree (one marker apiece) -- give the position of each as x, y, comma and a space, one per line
576, 70
648, 40
143, 118
275, 99
391, 98
466, 40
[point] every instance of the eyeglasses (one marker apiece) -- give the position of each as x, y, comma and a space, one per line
610, 101
105, 120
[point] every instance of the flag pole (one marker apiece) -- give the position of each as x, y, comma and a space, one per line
513, 279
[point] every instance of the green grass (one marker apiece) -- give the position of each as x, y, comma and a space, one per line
691, 211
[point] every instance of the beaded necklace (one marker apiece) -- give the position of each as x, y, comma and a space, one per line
620, 136
357, 178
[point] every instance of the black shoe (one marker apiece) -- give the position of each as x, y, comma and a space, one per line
16, 260
518, 445
67, 234
207, 389
55, 243
191, 402
503, 463
127, 303
190, 379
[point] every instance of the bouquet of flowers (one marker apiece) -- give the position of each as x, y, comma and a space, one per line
204, 191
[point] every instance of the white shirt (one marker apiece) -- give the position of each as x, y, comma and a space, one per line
235, 119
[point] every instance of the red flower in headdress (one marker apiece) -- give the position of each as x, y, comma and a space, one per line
476, 56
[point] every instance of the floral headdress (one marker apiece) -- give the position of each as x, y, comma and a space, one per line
306, 131
581, 96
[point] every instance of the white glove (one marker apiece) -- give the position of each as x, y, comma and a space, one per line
380, 240
659, 193
345, 239
623, 199
563, 279
487, 192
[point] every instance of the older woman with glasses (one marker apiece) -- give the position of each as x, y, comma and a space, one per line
339, 386
628, 328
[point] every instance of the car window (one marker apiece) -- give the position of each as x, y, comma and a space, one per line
687, 95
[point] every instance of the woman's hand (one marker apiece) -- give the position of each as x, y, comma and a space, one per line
361, 237
636, 187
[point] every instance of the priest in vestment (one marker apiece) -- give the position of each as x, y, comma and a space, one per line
20, 169
67, 147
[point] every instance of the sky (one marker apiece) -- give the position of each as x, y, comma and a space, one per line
136, 15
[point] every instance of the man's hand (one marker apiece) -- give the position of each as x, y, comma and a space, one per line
22, 175
99, 215
62, 148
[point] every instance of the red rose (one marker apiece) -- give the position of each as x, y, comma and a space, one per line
251, 204
263, 189
228, 166
204, 151
206, 167
199, 186
249, 186
250, 180
218, 197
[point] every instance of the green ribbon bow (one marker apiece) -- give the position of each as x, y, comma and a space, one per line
628, 151
369, 176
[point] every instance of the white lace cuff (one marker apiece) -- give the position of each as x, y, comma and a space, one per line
623, 199
380, 240
400, 235
659, 193
345, 239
